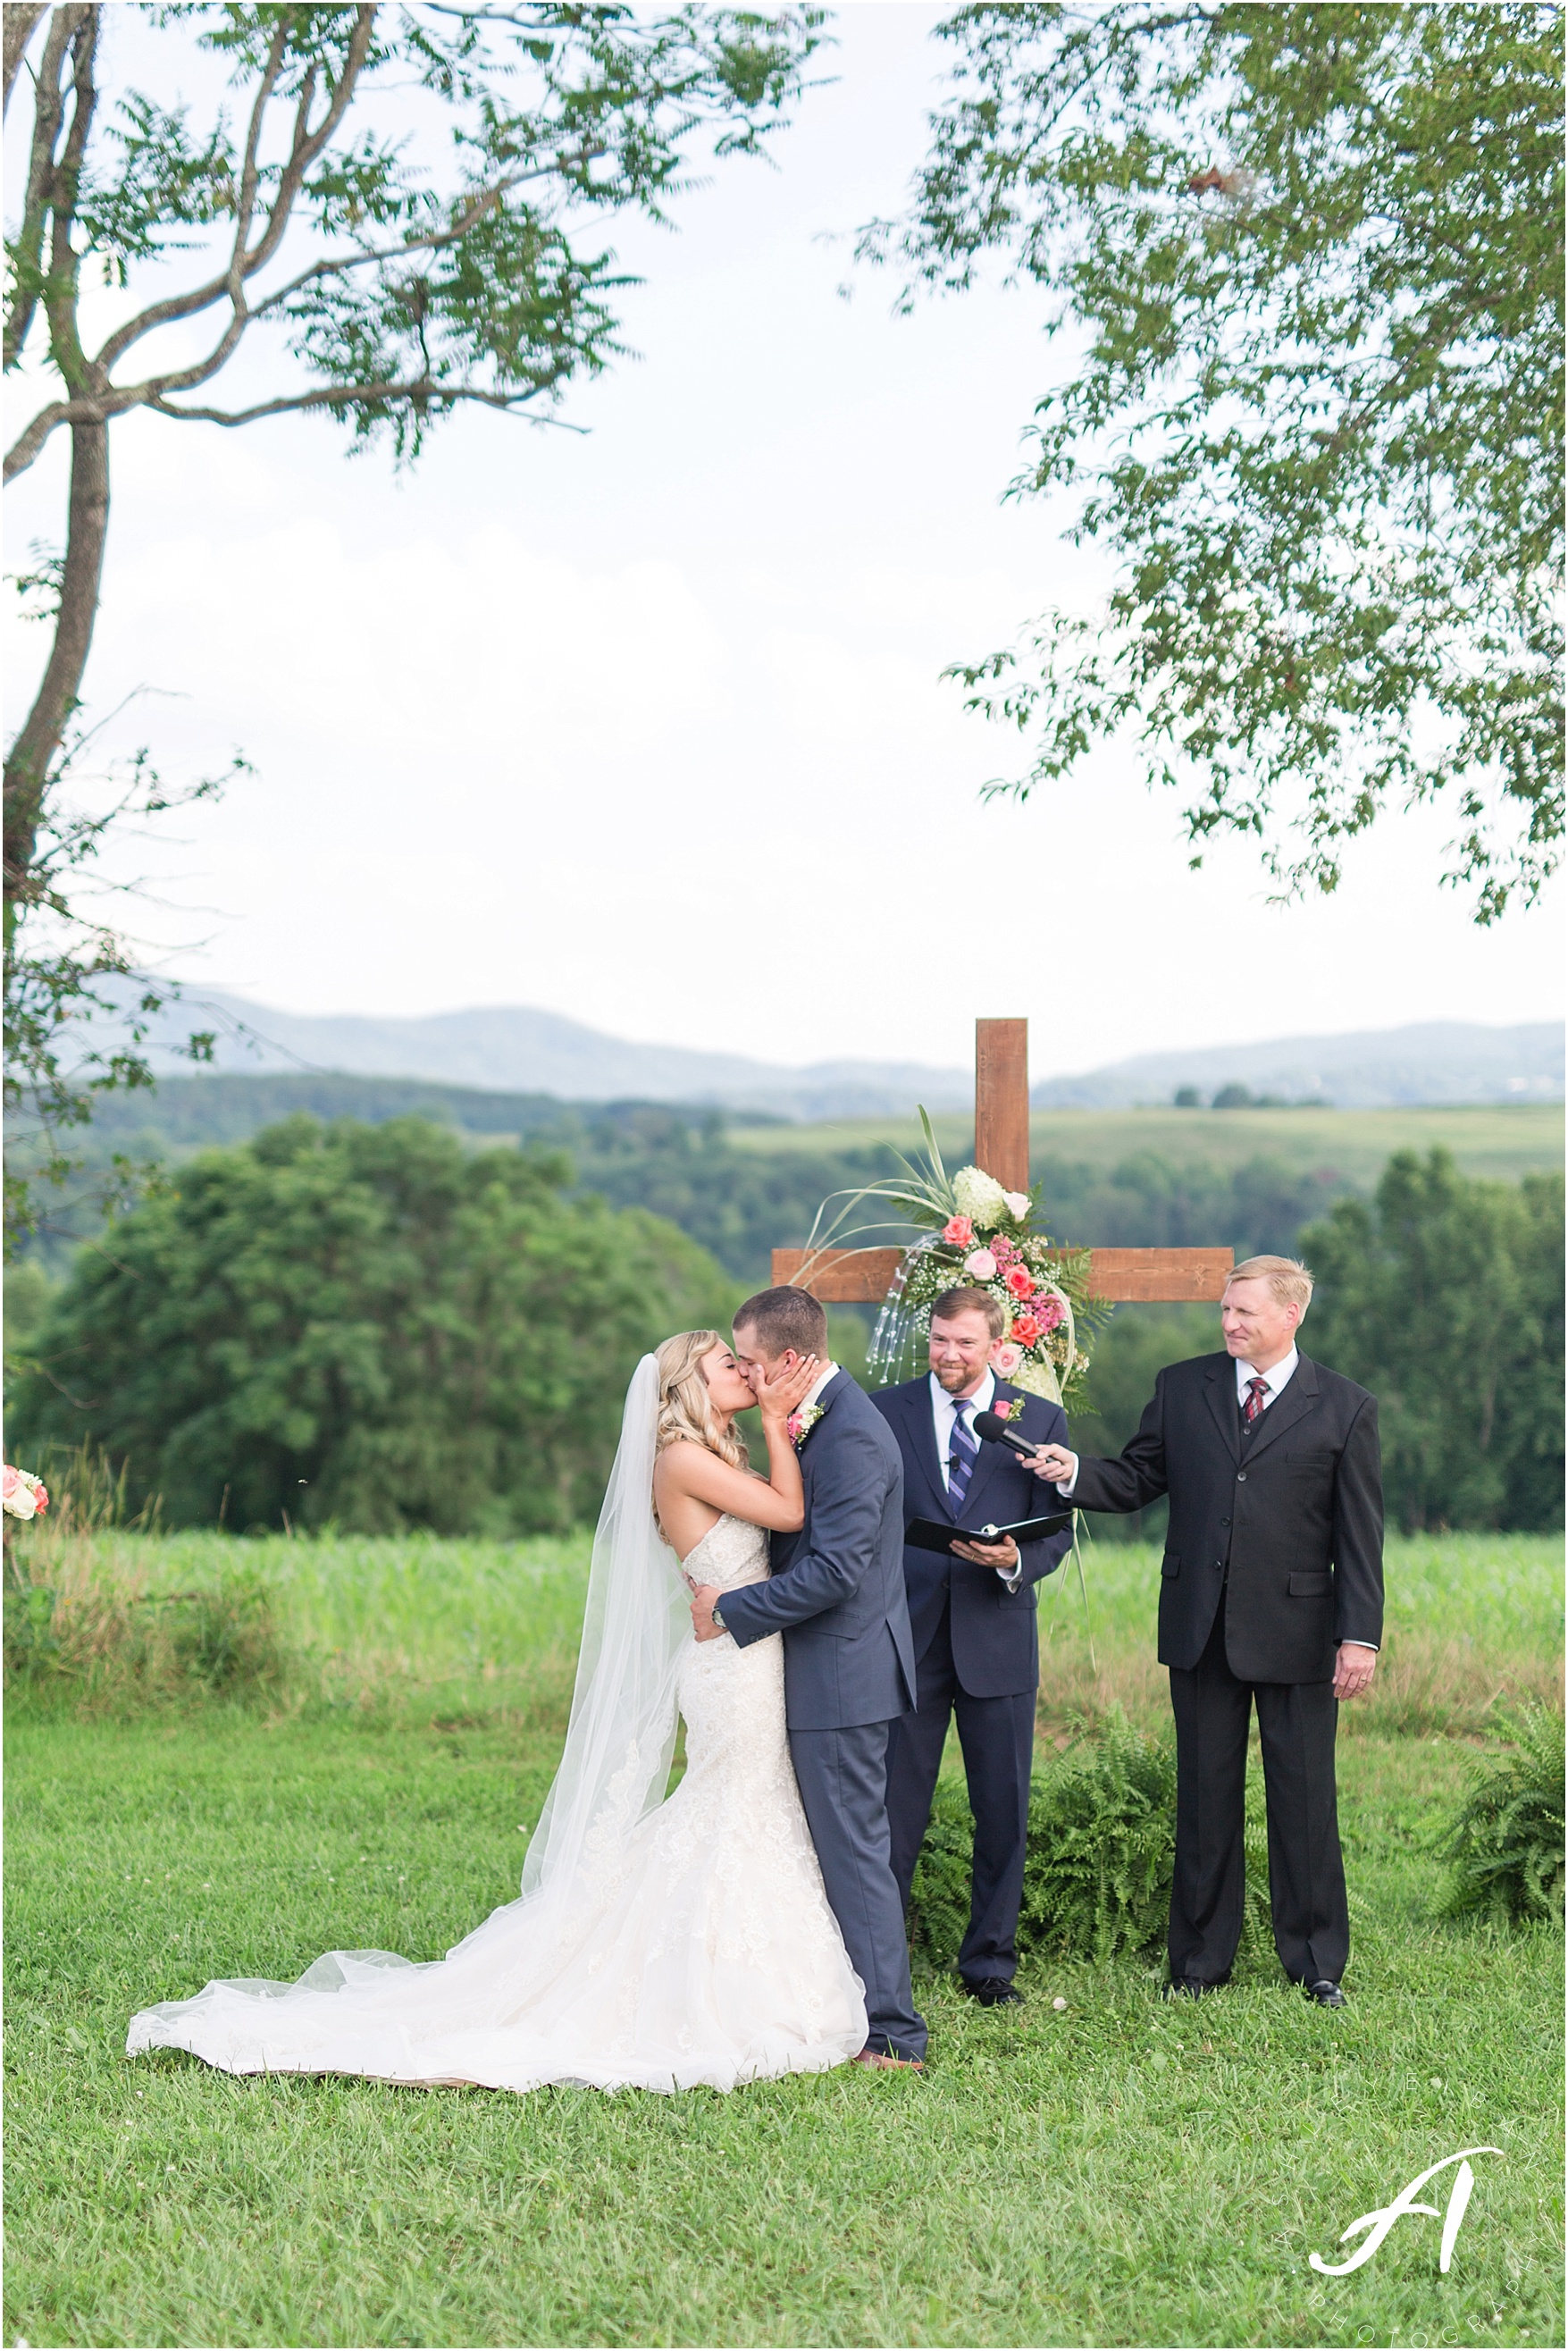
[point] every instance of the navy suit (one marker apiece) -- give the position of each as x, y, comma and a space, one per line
837, 1595
976, 1656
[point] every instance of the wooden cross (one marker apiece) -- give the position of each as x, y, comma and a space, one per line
862, 1277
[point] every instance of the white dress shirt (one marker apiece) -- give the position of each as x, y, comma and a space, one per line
945, 1410
1277, 1378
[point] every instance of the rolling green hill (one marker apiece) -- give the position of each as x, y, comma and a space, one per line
1352, 1144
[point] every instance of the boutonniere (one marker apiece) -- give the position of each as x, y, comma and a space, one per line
1008, 1407
800, 1423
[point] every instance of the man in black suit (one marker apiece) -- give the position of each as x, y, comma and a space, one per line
973, 1618
1270, 1595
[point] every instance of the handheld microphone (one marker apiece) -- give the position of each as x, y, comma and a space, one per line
991, 1426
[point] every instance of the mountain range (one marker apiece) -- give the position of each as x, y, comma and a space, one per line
518, 1048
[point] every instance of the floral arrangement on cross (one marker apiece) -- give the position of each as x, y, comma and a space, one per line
979, 1237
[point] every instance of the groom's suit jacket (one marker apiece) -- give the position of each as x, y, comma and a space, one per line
996, 1647
1285, 1521
837, 1587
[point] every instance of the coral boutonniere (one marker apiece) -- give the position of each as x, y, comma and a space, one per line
1008, 1407
800, 1423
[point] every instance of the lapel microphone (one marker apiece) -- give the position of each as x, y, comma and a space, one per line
995, 1430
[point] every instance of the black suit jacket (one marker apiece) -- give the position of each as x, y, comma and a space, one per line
1293, 1516
995, 1648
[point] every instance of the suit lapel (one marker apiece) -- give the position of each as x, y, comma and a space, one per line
916, 1402
990, 1461
1220, 1387
1300, 1398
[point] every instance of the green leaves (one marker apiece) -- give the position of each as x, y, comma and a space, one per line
1102, 1844
1504, 1841
1311, 259
1445, 1298
366, 1325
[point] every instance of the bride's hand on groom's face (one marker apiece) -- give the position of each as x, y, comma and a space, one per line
789, 1387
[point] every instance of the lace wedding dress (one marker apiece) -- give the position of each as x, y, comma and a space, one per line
693, 1944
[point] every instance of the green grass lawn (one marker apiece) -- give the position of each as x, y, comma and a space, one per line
1118, 2171
1486, 1140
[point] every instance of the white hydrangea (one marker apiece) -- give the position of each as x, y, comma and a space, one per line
979, 1196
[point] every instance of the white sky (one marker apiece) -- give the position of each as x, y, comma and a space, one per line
647, 727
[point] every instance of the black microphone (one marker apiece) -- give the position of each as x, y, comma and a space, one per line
991, 1426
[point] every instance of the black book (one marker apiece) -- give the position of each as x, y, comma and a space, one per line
938, 1534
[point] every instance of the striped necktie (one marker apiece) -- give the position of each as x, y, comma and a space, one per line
962, 1455
1252, 1410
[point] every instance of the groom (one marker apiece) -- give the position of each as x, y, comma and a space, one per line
837, 1595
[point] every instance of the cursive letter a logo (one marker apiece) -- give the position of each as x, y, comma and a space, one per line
1379, 2223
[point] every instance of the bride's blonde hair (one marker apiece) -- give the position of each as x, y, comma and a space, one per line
686, 1414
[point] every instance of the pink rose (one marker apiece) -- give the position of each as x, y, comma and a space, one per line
981, 1265
24, 1496
1006, 1358
792, 1429
1026, 1330
1021, 1283
959, 1232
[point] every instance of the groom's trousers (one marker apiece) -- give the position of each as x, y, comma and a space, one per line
842, 1777
1296, 1724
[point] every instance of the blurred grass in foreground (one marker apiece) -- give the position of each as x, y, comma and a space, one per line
475, 1632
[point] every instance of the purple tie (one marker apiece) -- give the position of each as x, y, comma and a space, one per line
1257, 1389
962, 1455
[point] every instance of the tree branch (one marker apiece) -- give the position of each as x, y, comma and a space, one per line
344, 395
49, 109
307, 146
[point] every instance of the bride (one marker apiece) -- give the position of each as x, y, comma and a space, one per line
660, 1942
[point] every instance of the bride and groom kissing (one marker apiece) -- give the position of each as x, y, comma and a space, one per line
751, 1923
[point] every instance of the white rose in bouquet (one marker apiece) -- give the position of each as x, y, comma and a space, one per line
24, 1495
979, 1196
1020, 1203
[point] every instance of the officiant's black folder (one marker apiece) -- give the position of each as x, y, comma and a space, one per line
936, 1534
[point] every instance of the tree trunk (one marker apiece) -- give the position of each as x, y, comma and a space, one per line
33, 750
19, 28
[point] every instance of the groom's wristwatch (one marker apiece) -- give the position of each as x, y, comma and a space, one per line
717, 1619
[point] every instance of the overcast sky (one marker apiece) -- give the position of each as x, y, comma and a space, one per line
647, 726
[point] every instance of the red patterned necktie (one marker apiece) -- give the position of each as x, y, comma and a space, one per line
1257, 1389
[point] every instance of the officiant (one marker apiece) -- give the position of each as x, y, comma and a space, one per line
972, 1613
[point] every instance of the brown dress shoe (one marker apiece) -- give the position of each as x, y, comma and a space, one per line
885, 2059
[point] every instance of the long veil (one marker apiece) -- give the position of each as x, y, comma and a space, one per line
622, 1735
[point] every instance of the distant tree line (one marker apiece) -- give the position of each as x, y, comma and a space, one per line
695, 1166
381, 1327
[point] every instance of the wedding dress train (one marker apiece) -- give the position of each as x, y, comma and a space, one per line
692, 1946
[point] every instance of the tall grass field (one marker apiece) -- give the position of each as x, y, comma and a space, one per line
225, 1757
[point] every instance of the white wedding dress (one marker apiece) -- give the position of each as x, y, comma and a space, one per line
693, 1944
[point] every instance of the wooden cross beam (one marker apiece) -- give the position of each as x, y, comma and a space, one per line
862, 1277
